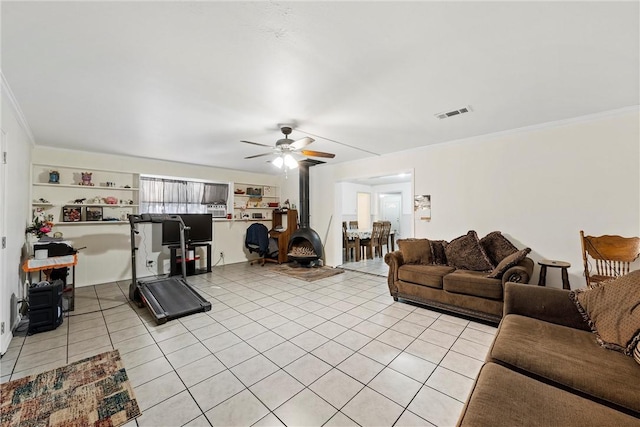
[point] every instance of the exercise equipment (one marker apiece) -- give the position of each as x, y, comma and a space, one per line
167, 298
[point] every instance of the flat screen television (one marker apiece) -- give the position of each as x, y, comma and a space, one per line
201, 229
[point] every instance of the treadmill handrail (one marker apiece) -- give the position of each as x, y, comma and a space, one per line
155, 218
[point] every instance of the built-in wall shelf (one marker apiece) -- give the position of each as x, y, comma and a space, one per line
108, 205
84, 187
255, 197
60, 186
59, 224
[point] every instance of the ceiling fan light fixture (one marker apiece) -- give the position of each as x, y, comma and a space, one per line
290, 162
278, 162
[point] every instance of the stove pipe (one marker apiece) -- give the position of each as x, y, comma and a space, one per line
304, 193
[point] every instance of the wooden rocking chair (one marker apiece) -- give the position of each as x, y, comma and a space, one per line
613, 256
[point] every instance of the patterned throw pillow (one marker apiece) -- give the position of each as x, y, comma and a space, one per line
465, 253
612, 311
497, 247
636, 353
415, 251
508, 262
437, 251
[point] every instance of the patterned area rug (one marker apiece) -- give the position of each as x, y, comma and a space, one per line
309, 274
91, 392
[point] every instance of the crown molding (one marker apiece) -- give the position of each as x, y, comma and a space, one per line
547, 125
20, 117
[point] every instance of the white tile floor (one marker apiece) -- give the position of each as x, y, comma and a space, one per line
274, 351
375, 266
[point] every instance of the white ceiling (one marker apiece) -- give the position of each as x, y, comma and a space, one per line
187, 81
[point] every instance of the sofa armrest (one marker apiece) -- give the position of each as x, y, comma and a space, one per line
394, 260
548, 304
519, 273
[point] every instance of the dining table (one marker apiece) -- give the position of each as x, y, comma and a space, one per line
365, 233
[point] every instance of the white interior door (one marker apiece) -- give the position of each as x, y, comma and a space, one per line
364, 211
5, 308
391, 210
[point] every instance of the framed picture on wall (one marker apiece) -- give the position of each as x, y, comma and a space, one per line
71, 214
94, 213
422, 206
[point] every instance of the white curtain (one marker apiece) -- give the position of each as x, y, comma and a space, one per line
167, 196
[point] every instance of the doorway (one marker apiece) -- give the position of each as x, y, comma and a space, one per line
366, 195
391, 210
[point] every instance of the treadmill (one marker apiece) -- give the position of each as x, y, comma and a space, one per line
167, 298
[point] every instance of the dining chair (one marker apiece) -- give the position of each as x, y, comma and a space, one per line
353, 225
351, 246
384, 239
612, 256
370, 246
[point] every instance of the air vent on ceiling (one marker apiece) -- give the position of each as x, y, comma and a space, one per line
452, 113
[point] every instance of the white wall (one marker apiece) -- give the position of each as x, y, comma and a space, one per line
107, 254
540, 186
16, 207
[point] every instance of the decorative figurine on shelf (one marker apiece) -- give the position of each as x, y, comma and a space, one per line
79, 201
110, 200
285, 205
97, 200
54, 177
86, 179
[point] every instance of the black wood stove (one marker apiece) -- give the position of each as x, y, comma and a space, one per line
305, 245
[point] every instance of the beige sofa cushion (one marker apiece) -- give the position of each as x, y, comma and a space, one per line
502, 397
612, 310
426, 275
415, 251
569, 357
474, 283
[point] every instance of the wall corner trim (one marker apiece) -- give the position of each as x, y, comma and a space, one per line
6, 89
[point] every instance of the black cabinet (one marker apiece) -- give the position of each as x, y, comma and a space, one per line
191, 259
45, 306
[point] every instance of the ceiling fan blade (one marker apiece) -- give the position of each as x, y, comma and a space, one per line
259, 155
256, 143
318, 154
301, 143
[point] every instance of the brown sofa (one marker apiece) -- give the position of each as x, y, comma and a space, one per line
466, 292
545, 368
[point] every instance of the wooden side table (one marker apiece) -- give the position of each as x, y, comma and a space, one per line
564, 266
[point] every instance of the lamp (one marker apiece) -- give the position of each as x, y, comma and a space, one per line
286, 160
278, 162
290, 162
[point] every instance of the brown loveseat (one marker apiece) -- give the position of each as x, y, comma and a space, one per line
444, 275
545, 368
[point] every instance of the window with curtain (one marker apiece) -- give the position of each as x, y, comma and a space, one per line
174, 196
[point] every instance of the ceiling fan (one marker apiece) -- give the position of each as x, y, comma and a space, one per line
286, 148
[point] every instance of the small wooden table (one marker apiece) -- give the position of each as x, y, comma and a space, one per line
564, 266
47, 265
